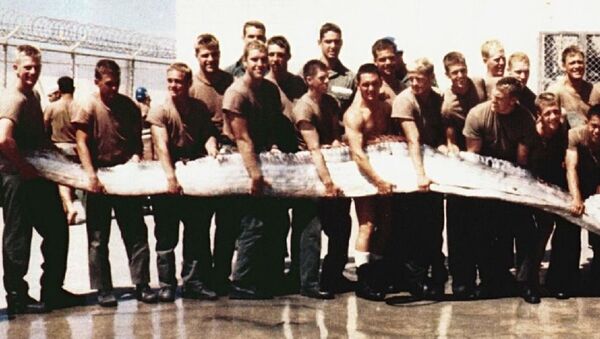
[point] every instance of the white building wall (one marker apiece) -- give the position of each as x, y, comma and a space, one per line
421, 27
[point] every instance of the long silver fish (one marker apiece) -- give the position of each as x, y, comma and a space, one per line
294, 175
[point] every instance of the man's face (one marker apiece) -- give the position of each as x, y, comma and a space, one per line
331, 44
419, 83
502, 102
386, 61
108, 85
594, 128
457, 74
550, 117
256, 63
208, 58
520, 70
369, 85
176, 84
319, 81
253, 33
278, 58
28, 70
496, 62
574, 66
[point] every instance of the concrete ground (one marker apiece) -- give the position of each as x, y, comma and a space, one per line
291, 316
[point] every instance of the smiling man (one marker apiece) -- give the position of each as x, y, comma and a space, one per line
341, 79
492, 53
575, 94
385, 57
518, 67
182, 129
252, 31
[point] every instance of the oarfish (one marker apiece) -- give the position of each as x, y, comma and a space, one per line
294, 175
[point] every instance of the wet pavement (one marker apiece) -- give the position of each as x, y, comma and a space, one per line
289, 316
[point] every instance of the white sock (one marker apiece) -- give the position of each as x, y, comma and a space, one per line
361, 258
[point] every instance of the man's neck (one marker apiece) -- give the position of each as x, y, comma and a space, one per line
544, 132
391, 80
23, 88
250, 81
460, 90
180, 101
278, 77
576, 84
333, 64
315, 95
208, 77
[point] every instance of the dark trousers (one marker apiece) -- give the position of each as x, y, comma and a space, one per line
306, 242
27, 205
227, 220
129, 215
169, 211
336, 223
422, 223
264, 225
462, 239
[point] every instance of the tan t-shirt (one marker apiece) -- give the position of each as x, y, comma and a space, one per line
575, 105
114, 131
325, 117
60, 114
212, 96
500, 133
455, 107
425, 113
26, 113
188, 130
588, 165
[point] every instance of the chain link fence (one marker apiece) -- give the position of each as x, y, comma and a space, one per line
551, 47
72, 49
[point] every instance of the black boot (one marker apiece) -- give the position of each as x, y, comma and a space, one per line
22, 303
365, 288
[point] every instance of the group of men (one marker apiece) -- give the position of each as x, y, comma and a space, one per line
258, 105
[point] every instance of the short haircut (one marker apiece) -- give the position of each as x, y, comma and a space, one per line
280, 41
259, 45
487, 47
206, 41
594, 111
253, 23
383, 44
329, 27
573, 49
545, 99
511, 85
30, 51
367, 68
65, 85
453, 58
517, 57
421, 65
312, 67
106, 66
183, 68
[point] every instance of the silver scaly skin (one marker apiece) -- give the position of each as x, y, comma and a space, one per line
294, 175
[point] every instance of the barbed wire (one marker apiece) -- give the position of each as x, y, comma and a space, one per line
86, 36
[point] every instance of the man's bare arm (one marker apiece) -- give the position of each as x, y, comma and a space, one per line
522, 155
353, 123
571, 161
160, 139
81, 138
311, 137
9, 149
474, 145
451, 145
411, 132
245, 145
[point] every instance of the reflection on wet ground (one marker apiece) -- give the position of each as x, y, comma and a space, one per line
299, 317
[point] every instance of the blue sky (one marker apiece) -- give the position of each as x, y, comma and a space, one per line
154, 17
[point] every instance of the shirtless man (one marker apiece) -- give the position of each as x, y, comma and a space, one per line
518, 67
492, 53
57, 118
29, 201
463, 94
366, 121
575, 94
583, 181
252, 31
316, 119
209, 85
417, 109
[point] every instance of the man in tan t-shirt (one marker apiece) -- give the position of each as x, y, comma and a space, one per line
365, 121
108, 133
417, 109
492, 53
57, 118
518, 67
181, 129
575, 94
463, 94
28, 200
385, 57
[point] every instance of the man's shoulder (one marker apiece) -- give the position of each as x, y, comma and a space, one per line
13, 96
578, 135
481, 109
